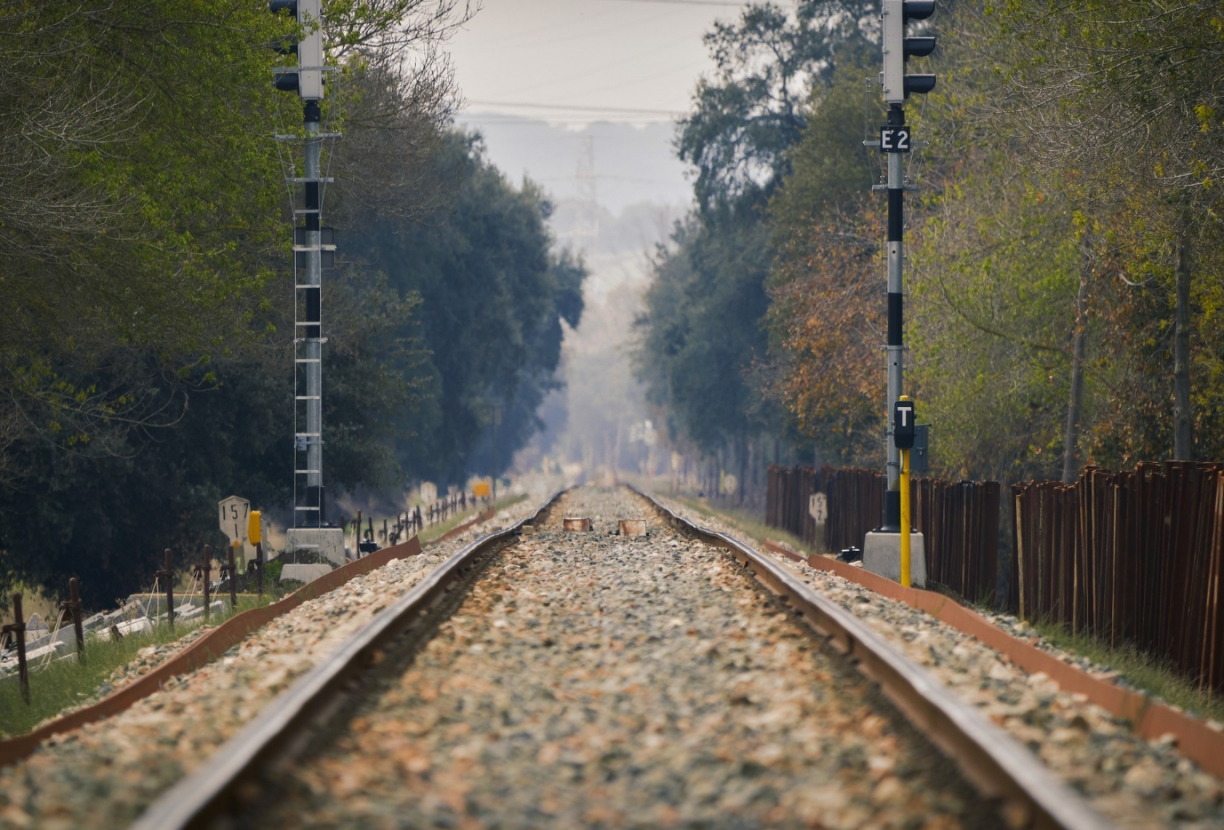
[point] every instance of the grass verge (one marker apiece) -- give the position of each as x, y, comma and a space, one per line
743, 520
432, 532
64, 684
1150, 675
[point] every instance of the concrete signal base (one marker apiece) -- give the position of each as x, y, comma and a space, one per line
882, 555
326, 541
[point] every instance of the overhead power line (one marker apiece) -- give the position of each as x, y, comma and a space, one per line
681, 2
576, 108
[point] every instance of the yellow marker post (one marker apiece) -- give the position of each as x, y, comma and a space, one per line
905, 518
253, 529
903, 440
256, 538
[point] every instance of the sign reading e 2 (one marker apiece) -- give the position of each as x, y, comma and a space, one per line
894, 139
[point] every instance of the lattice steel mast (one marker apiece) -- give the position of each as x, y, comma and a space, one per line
313, 248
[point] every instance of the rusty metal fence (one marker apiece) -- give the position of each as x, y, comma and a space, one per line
960, 525
787, 490
1128, 557
960, 521
856, 505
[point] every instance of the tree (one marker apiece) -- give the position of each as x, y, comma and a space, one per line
1132, 87
824, 321
700, 331
128, 223
746, 119
703, 339
493, 298
147, 370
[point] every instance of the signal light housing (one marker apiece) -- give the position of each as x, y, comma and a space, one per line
898, 49
307, 81
285, 81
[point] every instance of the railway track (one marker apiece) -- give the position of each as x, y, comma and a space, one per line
552, 678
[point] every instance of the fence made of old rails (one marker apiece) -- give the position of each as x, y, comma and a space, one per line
959, 520
787, 490
1128, 557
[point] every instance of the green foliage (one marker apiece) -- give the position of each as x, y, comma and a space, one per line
104, 517
1072, 143
1144, 672
747, 118
702, 337
493, 301
374, 373
700, 330
993, 312
824, 283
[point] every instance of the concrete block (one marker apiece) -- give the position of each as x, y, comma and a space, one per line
632, 527
304, 573
882, 555
326, 541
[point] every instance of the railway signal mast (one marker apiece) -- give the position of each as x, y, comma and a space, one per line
313, 248
882, 548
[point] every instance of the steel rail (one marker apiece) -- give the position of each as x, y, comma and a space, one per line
998, 765
994, 762
197, 797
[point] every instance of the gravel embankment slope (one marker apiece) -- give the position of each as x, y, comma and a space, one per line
1133, 782
592, 680
106, 773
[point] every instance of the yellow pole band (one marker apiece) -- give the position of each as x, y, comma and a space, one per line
905, 518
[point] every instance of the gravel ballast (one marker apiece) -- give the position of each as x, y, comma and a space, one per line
104, 774
594, 680
1134, 782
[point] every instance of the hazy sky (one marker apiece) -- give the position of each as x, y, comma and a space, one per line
580, 61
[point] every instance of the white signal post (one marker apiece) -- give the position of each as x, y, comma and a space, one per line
313, 249
312, 246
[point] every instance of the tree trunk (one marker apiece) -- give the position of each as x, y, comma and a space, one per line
1183, 427
1071, 439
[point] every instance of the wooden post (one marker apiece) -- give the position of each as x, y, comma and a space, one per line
72, 608
259, 566
23, 670
17, 630
233, 578
169, 575
205, 572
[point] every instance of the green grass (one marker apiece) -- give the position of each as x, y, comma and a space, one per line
1153, 676
432, 532
66, 683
